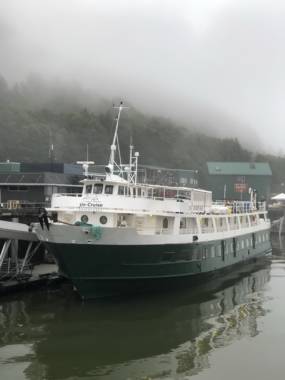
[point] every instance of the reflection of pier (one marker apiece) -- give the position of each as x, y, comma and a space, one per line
169, 334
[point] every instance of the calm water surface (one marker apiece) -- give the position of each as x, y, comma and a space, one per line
229, 328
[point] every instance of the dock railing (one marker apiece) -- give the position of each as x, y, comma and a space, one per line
16, 205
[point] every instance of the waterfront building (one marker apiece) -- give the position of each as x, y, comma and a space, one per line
233, 180
22, 183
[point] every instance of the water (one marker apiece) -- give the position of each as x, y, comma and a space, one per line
229, 328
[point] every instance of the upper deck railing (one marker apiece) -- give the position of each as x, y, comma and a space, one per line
237, 207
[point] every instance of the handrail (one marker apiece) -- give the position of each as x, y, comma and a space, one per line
58, 195
15, 204
236, 207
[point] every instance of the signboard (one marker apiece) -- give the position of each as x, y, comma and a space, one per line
240, 187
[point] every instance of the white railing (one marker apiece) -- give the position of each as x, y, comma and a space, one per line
237, 207
153, 231
234, 226
206, 230
186, 231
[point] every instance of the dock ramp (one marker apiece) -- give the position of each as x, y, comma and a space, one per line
13, 265
16, 231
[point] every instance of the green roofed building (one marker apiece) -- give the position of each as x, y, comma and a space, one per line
232, 180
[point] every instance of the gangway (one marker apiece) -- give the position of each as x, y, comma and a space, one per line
11, 265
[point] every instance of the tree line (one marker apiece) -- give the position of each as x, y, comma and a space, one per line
36, 114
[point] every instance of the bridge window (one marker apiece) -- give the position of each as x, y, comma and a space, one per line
88, 189
109, 189
98, 188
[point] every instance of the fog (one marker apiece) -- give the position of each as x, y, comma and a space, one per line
212, 64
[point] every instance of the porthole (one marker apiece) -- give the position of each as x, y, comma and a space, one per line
84, 219
103, 219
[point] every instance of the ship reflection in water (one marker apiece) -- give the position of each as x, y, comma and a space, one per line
52, 335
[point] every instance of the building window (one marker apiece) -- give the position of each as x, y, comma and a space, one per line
18, 188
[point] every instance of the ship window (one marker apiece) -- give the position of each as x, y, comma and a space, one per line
121, 190
109, 189
218, 250
88, 189
165, 223
139, 192
234, 247
183, 223
196, 255
226, 250
212, 251
103, 219
84, 219
98, 188
223, 249
253, 240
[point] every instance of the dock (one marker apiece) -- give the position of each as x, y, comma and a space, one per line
16, 269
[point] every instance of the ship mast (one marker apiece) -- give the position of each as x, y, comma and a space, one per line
132, 167
115, 143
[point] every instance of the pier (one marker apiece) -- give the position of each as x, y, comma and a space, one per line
18, 245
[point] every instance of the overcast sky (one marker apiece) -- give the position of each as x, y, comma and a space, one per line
207, 59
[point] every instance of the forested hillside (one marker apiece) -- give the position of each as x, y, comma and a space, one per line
35, 114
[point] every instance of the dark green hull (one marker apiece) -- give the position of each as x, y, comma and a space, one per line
101, 270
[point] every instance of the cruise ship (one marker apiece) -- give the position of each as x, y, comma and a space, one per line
120, 236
